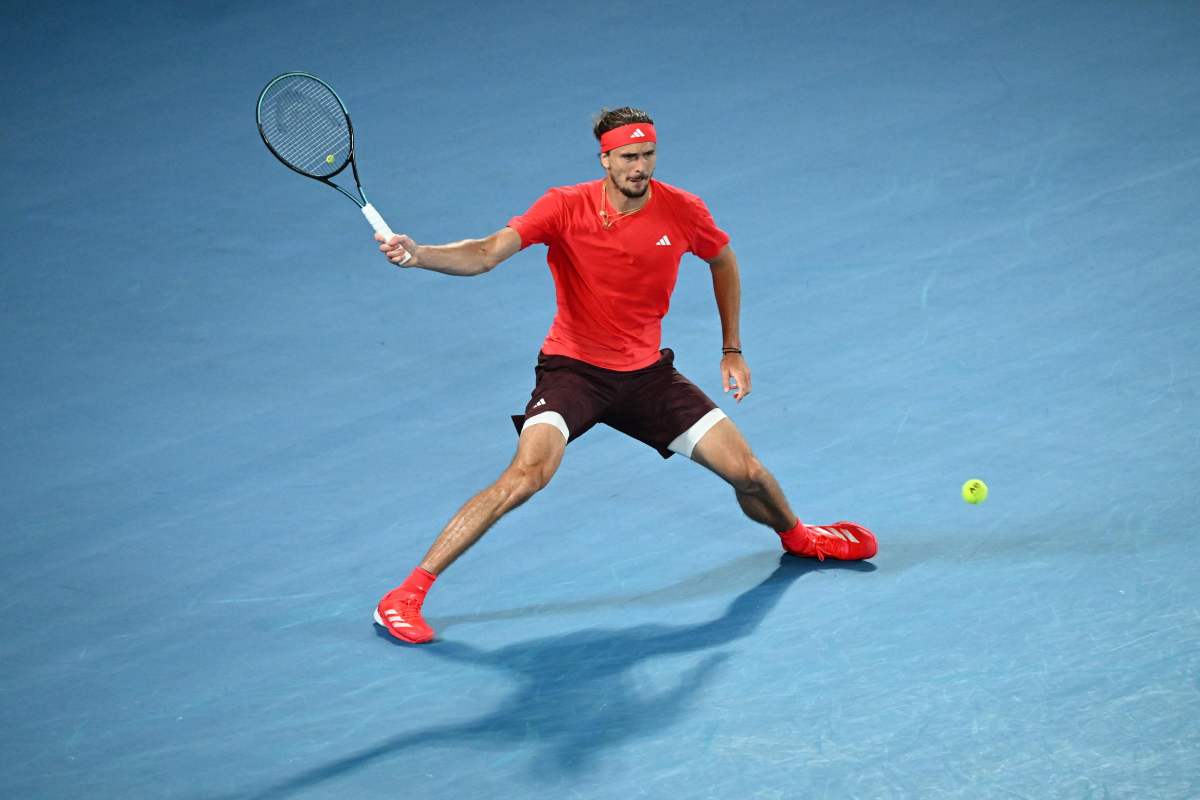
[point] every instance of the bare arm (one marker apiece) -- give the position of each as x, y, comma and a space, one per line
468, 257
727, 288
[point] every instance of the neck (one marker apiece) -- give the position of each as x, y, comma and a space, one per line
619, 202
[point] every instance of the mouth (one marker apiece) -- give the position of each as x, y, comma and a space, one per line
634, 187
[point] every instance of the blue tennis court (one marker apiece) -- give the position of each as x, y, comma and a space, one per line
969, 242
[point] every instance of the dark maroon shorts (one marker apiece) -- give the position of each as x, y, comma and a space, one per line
654, 404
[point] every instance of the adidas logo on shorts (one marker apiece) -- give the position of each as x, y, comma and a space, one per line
541, 402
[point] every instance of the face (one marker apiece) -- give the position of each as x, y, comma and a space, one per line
630, 167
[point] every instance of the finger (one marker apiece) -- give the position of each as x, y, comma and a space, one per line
402, 252
736, 384
744, 382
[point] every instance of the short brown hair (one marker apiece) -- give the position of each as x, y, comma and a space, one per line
610, 118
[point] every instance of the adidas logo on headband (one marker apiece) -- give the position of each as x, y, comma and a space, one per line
627, 134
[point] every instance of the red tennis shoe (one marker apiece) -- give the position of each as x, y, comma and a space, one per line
400, 613
844, 541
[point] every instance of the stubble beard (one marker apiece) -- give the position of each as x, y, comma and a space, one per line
633, 194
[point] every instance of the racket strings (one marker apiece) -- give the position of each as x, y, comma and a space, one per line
306, 125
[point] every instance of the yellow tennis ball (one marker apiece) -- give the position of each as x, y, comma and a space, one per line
329, 158
974, 491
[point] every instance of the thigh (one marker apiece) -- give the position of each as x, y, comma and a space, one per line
540, 451
724, 451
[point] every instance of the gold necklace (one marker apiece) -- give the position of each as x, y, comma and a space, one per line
608, 221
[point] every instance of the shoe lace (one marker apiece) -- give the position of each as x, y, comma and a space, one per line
817, 537
408, 606
818, 551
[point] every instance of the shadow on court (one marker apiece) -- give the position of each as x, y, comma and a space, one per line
715, 581
575, 695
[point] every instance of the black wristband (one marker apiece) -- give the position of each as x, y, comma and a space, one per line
727, 350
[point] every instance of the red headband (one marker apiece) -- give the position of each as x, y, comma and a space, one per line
634, 133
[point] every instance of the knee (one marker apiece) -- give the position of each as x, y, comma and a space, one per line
520, 482
750, 477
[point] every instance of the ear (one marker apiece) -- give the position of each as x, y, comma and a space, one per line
604, 161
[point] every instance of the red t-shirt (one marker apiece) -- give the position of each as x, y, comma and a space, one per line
614, 286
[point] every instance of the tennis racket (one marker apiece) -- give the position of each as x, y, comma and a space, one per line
305, 125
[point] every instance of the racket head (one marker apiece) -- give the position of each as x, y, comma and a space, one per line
304, 124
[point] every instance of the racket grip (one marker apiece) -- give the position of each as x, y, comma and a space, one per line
381, 227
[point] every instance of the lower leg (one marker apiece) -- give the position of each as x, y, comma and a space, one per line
725, 452
765, 503
474, 519
538, 455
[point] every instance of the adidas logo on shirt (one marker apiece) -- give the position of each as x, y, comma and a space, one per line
664, 241
540, 402
637, 134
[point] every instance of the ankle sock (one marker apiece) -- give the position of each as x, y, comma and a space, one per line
794, 529
419, 581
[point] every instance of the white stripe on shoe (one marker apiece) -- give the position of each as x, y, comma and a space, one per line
833, 533
395, 618
391, 615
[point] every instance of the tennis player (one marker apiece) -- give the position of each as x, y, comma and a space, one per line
614, 250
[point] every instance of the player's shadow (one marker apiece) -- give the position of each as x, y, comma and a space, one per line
575, 695
713, 581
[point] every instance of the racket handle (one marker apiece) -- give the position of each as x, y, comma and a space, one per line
382, 228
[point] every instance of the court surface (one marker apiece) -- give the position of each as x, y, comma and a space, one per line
969, 244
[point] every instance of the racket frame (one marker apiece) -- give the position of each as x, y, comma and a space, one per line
350, 159
373, 217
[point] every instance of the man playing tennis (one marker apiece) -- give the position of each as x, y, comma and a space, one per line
614, 250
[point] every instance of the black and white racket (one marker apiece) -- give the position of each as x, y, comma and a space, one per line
306, 125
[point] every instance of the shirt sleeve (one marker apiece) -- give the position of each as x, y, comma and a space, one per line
707, 239
540, 224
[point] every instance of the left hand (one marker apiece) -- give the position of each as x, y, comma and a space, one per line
735, 375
